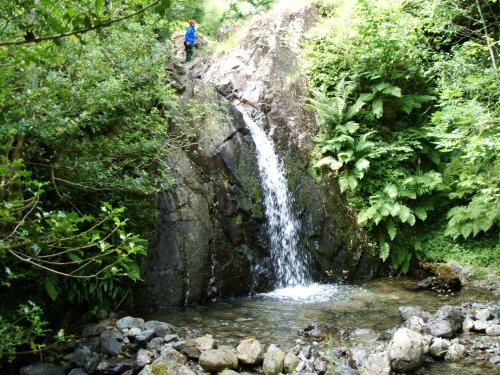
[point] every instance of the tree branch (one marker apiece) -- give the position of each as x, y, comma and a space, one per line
487, 36
31, 38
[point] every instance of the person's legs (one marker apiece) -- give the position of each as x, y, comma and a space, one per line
189, 52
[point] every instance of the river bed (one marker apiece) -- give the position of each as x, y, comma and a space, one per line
277, 317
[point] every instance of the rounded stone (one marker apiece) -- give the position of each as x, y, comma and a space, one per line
249, 352
273, 361
406, 350
216, 360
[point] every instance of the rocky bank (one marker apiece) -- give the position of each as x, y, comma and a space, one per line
461, 334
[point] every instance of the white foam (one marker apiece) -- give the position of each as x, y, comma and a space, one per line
312, 293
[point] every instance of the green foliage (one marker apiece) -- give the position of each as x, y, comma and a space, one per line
83, 128
26, 329
415, 79
482, 255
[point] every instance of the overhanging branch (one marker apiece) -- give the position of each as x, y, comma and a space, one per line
31, 38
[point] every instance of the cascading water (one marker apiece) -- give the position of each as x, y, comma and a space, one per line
290, 262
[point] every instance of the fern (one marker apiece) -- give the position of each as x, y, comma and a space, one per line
346, 155
480, 215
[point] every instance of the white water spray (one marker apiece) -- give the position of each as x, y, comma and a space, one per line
290, 261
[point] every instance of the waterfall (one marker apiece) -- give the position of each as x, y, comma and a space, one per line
283, 227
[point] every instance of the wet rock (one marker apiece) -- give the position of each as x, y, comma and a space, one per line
145, 336
78, 371
133, 332
409, 311
468, 324
440, 328
307, 351
144, 357
169, 354
204, 343
170, 338
493, 330
250, 352
161, 328
166, 368
439, 347
312, 331
94, 343
440, 284
155, 343
495, 360
291, 362
189, 348
455, 352
320, 366
416, 323
42, 369
115, 366
111, 346
452, 314
81, 355
112, 334
483, 314
92, 362
273, 361
376, 364
479, 326
215, 360
228, 372
301, 366
406, 350
130, 322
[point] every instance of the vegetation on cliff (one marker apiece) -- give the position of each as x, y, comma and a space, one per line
407, 96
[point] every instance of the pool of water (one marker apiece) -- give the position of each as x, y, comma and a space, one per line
277, 317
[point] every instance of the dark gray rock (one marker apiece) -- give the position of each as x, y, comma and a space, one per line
144, 357
101, 314
112, 334
440, 284
161, 328
155, 343
92, 363
78, 371
440, 328
81, 355
408, 311
42, 369
452, 314
115, 366
111, 346
145, 336
124, 322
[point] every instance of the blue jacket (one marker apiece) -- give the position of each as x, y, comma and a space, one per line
190, 35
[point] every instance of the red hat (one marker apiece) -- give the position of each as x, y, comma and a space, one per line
192, 22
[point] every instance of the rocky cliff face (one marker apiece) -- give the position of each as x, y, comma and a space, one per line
210, 238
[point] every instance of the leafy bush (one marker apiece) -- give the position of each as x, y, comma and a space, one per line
409, 123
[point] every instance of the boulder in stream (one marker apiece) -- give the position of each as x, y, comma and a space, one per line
216, 360
273, 361
406, 350
250, 352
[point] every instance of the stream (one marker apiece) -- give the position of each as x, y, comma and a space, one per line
277, 317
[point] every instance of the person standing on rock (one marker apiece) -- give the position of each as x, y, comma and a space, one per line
189, 40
